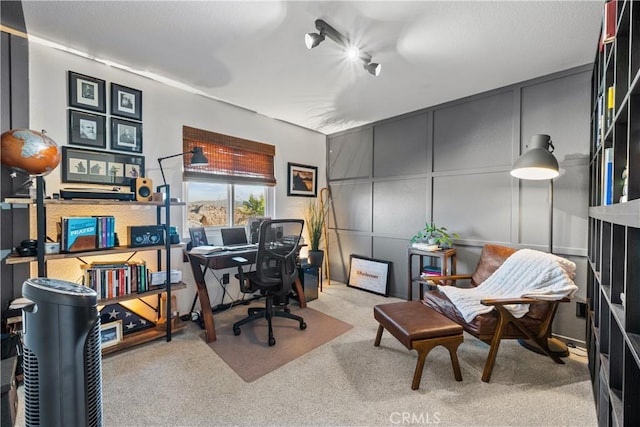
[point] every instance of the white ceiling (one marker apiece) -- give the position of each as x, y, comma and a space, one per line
252, 54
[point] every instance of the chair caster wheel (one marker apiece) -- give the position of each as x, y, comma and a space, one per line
287, 310
272, 342
236, 331
303, 326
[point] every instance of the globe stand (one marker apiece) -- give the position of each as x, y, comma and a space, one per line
26, 188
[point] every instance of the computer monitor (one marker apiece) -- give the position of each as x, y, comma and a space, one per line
253, 227
233, 236
198, 237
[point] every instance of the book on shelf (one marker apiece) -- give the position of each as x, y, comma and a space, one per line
607, 184
610, 105
112, 279
429, 270
78, 233
600, 122
610, 18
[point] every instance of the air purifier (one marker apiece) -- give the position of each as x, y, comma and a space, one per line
62, 354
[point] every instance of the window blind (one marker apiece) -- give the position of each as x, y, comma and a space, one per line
231, 160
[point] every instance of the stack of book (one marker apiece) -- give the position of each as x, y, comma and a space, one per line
87, 233
112, 279
430, 271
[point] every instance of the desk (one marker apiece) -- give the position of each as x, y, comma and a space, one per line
447, 258
218, 261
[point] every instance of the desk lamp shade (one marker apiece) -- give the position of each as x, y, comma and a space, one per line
28, 151
198, 158
538, 162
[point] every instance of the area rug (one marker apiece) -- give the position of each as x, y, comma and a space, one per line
249, 354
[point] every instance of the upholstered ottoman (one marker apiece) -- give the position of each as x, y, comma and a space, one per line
419, 328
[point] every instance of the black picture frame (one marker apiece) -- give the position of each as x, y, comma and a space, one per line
126, 102
87, 129
302, 180
369, 274
100, 167
86, 92
126, 135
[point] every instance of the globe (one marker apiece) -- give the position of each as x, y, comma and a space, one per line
29, 151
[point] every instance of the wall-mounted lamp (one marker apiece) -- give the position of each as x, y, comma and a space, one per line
312, 40
198, 158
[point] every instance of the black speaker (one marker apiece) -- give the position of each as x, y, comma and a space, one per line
145, 235
142, 188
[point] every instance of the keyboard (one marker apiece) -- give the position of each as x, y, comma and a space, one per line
241, 247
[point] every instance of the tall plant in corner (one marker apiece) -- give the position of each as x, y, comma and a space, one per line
315, 216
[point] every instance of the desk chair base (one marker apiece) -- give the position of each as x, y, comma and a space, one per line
269, 312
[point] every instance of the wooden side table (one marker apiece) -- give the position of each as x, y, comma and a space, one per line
448, 261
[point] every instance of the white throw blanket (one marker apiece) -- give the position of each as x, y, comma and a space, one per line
526, 273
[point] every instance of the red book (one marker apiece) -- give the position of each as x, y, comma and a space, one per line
610, 17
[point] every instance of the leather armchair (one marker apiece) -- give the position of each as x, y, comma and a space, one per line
498, 324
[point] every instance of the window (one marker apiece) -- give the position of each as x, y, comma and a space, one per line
235, 184
208, 203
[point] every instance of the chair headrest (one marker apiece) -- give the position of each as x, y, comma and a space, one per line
491, 258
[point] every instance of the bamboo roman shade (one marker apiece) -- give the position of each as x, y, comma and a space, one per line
231, 160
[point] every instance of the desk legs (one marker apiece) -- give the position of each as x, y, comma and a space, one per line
300, 291
205, 305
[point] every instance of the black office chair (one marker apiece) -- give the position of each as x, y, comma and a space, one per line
275, 272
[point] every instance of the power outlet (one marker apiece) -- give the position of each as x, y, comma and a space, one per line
581, 310
225, 279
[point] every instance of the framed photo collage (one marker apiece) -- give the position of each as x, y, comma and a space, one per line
89, 127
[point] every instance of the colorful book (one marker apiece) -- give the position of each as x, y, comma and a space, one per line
607, 185
79, 233
610, 17
610, 105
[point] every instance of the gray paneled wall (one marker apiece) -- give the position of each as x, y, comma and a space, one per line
451, 163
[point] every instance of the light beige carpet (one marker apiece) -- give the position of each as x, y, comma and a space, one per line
249, 354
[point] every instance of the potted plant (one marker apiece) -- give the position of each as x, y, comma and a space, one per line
434, 235
315, 216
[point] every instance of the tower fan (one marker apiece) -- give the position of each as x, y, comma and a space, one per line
62, 354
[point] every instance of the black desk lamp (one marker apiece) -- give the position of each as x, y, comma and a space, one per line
198, 159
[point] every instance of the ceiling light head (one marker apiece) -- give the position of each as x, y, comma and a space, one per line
538, 162
313, 39
373, 68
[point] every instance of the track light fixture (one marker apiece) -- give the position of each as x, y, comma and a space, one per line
312, 40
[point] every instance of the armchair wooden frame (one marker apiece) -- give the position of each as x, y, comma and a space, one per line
539, 336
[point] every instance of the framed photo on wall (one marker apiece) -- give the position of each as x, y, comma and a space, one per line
126, 102
86, 92
100, 167
110, 334
126, 135
302, 180
87, 129
368, 274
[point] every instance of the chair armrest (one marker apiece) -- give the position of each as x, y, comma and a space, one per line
525, 300
438, 280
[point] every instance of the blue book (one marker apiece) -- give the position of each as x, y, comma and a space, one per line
80, 233
608, 177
